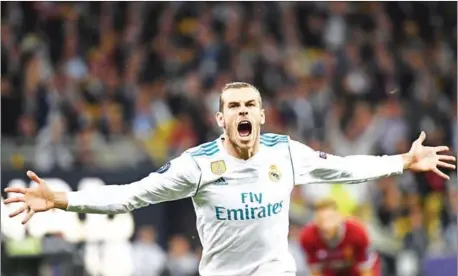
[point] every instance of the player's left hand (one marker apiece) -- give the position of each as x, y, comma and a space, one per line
421, 158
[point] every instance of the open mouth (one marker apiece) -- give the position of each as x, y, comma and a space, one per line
244, 128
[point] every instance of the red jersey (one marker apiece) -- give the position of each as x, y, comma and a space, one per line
346, 256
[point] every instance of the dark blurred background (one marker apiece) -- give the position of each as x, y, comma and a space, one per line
103, 93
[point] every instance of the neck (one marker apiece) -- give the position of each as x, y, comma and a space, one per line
336, 235
238, 152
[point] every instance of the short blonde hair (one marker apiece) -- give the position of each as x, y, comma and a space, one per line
325, 203
236, 85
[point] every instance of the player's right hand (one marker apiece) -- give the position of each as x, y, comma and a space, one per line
36, 199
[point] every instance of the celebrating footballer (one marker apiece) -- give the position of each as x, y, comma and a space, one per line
240, 185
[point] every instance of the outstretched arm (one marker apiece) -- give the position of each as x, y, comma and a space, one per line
311, 167
175, 180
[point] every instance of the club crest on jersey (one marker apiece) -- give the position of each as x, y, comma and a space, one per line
274, 173
218, 167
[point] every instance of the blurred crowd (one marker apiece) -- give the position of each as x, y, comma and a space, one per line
101, 85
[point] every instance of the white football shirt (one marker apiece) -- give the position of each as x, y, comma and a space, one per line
242, 206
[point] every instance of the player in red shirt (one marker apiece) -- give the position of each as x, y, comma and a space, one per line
337, 246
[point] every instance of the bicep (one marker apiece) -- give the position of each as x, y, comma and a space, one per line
177, 179
314, 167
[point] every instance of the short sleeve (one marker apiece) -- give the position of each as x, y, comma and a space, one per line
307, 241
365, 256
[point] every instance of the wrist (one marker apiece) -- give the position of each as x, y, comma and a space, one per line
60, 200
407, 160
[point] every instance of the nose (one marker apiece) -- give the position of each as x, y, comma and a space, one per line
243, 111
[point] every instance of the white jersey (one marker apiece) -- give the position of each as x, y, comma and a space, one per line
242, 206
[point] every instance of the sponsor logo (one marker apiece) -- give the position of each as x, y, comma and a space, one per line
220, 181
253, 207
321, 254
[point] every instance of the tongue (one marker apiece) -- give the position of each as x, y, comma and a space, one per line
244, 132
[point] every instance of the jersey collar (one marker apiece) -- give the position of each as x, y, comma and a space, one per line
340, 236
238, 160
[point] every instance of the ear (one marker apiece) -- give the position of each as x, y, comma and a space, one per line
220, 119
263, 116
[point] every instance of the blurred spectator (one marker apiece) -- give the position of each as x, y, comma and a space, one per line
393, 127
296, 251
391, 215
27, 127
181, 260
454, 128
148, 257
51, 149
450, 215
359, 133
89, 144
114, 85
417, 238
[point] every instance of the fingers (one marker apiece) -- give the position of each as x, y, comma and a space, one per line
446, 165
34, 177
28, 216
18, 211
447, 158
441, 174
19, 190
14, 199
21, 210
422, 137
441, 149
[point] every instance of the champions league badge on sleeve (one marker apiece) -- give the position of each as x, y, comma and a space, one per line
323, 155
164, 168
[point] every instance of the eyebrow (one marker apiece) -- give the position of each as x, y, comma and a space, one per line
249, 101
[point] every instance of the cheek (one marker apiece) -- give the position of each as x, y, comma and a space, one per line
327, 219
260, 118
229, 119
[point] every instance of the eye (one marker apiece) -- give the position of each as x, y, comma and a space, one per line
251, 104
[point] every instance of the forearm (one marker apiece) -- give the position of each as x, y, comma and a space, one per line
365, 272
87, 202
110, 199
355, 169
115, 199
